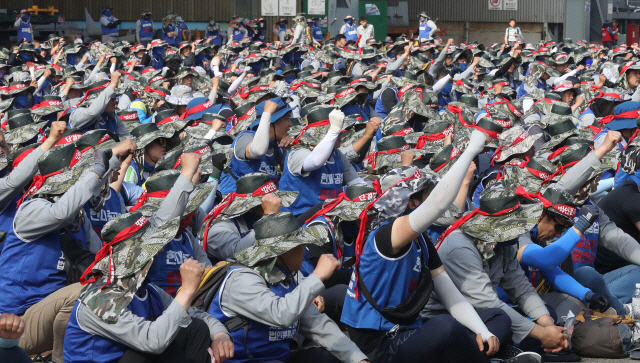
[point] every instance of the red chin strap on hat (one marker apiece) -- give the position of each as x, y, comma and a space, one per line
565, 210
267, 188
466, 217
364, 219
515, 142
107, 250
371, 158
144, 197
422, 140
38, 180
326, 122
511, 107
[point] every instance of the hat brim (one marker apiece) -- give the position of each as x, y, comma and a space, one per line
520, 148
270, 248
24, 133
148, 138
505, 227
241, 205
59, 184
621, 124
196, 198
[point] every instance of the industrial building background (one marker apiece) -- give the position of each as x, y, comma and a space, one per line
459, 19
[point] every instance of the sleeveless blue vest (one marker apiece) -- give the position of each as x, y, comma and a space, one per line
165, 270
25, 32
351, 32
146, 29
105, 30
424, 30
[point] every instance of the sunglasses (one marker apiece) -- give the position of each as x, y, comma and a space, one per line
560, 228
161, 141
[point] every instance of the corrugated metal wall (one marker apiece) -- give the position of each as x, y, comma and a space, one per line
529, 11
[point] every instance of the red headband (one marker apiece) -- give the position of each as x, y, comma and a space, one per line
196, 109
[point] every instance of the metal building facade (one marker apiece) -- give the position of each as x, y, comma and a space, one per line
529, 11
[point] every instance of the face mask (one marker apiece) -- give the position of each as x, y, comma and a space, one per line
297, 56
459, 94
369, 61
392, 55
283, 26
147, 17
422, 20
50, 117
350, 22
290, 78
22, 101
315, 23
107, 13
27, 57
534, 233
447, 89
462, 66
71, 59
25, 17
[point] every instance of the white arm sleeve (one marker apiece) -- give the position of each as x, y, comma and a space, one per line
564, 76
458, 306
443, 195
441, 83
260, 144
527, 104
320, 154
236, 84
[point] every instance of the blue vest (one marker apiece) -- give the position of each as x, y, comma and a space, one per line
351, 32
317, 33
612, 172
140, 176
264, 342
379, 108
30, 271
586, 112
105, 30
480, 189
7, 216
237, 35
25, 32
389, 281
321, 184
267, 164
113, 207
165, 270
79, 235
215, 37
170, 40
146, 29
425, 30
348, 252
584, 253
81, 346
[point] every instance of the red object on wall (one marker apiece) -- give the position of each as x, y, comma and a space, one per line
633, 34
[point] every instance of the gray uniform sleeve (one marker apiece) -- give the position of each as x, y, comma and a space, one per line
395, 65
240, 147
198, 252
14, 183
438, 63
350, 174
349, 152
322, 330
342, 29
104, 21
84, 117
247, 294
463, 263
176, 201
123, 132
138, 26
94, 243
295, 161
577, 175
141, 334
616, 240
357, 70
39, 216
224, 240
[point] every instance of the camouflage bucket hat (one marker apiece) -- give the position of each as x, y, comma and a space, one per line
560, 129
398, 185
120, 268
467, 103
463, 86
170, 160
343, 97
61, 167
356, 198
423, 102
144, 134
514, 141
402, 129
5, 104
529, 175
180, 95
50, 104
168, 121
129, 117
98, 139
434, 133
309, 89
388, 154
250, 189
501, 218
21, 126
490, 127
246, 114
17, 87
444, 159
513, 109
163, 181
315, 130
277, 234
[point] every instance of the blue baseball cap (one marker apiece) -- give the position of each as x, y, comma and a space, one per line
198, 107
625, 116
281, 111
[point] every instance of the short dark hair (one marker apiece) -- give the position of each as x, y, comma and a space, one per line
340, 37
363, 18
510, 20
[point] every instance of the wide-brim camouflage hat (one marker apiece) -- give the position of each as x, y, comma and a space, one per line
345, 96
200, 193
277, 234
5, 104
357, 198
24, 133
59, 183
17, 87
514, 141
492, 228
98, 139
561, 137
529, 175
49, 105
416, 103
144, 134
245, 116
397, 187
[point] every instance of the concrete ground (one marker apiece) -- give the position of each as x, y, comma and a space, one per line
599, 360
